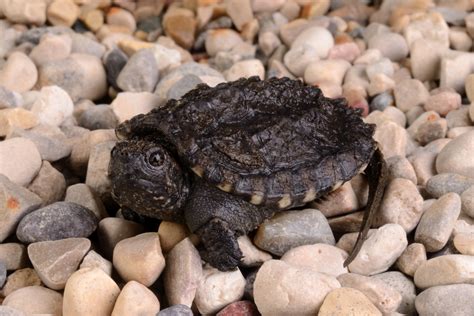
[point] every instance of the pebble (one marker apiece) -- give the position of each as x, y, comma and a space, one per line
347, 51
128, 104
321, 258
56, 221
35, 300
49, 184
454, 69
411, 259
469, 87
140, 73
62, 12
98, 117
444, 270
53, 106
221, 40
345, 301
423, 118
111, 230
267, 5
89, 291
245, 69
317, 37
455, 299
371, 260
444, 183
467, 201
443, 101
340, 201
429, 26
404, 286
246, 308
240, 12
392, 139
410, 93
24, 11
458, 131
283, 289
459, 117
329, 71
290, 229
382, 101
171, 234
19, 149
400, 167
180, 25
51, 47
55, 261
459, 39
456, 156
431, 130
82, 194
382, 66
346, 223
182, 273
19, 279
401, 204
3, 274
19, 73
121, 18
380, 83
139, 258
391, 45
94, 260
216, 289
114, 61
82, 44
136, 299
176, 310
9, 99
297, 59
437, 222
97, 177
13, 118
252, 256
13, 255
464, 243
268, 42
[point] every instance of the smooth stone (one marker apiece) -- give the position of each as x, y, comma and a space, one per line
19, 73
49, 184
171, 234
459, 117
410, 93
444, 270
82, 44
13, 255
392, 139
111, 230
443, 102
401, 204
459, 40
10, 99
290, 229
423, 161
268, 42
380, 250
346, 223
345, 300
114, 61
411, 259
176, 310
283, 289
10, 311
82, 194
467, 201
90, 291
471, 111
55, 261
455, 157
121, 18
444, 183
62, 12
51, 47
321, 258
53, 106
427, 26
246, 69
183, 86
14, 118
382, 66
379, 84
266, 5
19, 279
128, 104
318, 37
139, 258
182, 273
431, 130
384, 297
348, 51
455, 66
221, 40
458, 131
180, 25
97, 177
400, 167
98, 117
464, 243
56, 221
34, 300
455, 299
340, 201
136, 299
239, 308
3, 274
437, 222
252, 256
368, 57
329, 71
391, 45
216, 289
22, 150
469, 87
404, 286
240, 12
94, 260
290, 30
140, 73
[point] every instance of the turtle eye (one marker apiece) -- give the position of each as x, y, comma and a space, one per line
156, 159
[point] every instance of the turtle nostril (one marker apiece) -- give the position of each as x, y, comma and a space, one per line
156, 159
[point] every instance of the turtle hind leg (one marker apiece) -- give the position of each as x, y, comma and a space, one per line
221, 248
377, 174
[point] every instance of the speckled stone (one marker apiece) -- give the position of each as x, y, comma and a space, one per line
49, 184
456, 156
444, 270
19, 279
444, 183
455, 299
413, 256
345, 301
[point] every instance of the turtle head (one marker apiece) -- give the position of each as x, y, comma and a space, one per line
147, 179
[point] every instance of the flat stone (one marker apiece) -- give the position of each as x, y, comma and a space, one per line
62, 12
444, 270
51, 47
321, 258
182, 273
176, 310
444, 183
239, 308
19, 73
392, 139
380, 250
128, 104
410, 93
136, 299
346, 300
437, 222
217, 289
404, 286
90, 291
15, 150
139, 258
140, 73
467, 201
401, 204
455, 299
111, 230
93, 260
290, 229
82, 194
464, 243
411, 259
13, 255
252, 256
49, 184
283, 289
55, 261
11, 119
56, 221
97, 177
19, 279
35, 300
456, 156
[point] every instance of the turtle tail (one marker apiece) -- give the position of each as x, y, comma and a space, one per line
377, 174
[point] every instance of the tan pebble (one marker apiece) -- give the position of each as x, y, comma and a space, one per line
95, 260
464, 243
62, 12
16, 118
171, 234
19, 279
411, 258
136, 299
346, 301
35, 300
111, 230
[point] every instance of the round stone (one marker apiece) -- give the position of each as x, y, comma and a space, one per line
19, 150
444, 270
317, 37
136, 299
344, 301
19, 73
35, 300
456, 156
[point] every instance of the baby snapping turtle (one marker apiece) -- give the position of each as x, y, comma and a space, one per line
224, 159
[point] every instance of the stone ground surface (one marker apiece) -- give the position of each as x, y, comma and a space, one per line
71, 70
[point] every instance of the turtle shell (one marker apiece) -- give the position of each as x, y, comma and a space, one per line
277, 142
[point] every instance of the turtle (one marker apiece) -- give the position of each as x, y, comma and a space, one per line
223, 159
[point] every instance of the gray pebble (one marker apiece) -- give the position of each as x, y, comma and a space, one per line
85, 45
346, 223
459, 117
114, 61
82, 194
140, 73
176, 310
456, 156
9, 99
98, 117
57, 221
404, 286
34, 35
381, 101
444, 183
455, 299
97, 177
3, 275
183, 86
49, 184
